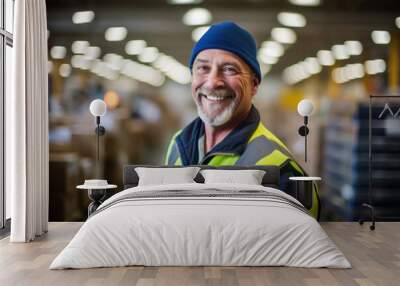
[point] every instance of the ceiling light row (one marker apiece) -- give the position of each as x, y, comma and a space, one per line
348, 72
358, 70
301, 70
113, 64
143, 73
305, 2
196, 17
184, 2
271, 50
313, 65
380, 37
83, 17
339, 52
290, 19
173, 69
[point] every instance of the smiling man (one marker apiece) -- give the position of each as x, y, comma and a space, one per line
228, 131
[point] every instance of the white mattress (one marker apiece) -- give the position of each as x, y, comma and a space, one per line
183, 231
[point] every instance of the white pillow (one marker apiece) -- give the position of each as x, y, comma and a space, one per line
248, 177
163, 176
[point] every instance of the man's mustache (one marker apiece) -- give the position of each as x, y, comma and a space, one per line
215, 92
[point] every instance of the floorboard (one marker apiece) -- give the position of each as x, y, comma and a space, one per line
374, 255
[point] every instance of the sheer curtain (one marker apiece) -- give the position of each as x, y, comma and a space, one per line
27, 124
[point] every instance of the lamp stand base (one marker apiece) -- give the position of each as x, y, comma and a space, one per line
96, 196
372, 212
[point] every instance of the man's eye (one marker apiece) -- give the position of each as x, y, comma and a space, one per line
202, 68
230, 70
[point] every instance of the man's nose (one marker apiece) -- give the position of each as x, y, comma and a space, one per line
214, 80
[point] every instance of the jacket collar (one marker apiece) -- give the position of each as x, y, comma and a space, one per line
235, 142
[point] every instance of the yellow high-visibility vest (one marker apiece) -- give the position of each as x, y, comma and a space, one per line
263, 148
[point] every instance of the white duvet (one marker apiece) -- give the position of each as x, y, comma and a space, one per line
183, 231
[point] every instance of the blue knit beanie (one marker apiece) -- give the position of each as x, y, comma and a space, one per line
232, 38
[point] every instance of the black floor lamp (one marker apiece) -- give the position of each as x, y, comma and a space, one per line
97, 188
305, 108
304, 184
98, 108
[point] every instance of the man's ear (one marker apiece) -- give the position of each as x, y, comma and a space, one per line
255, 83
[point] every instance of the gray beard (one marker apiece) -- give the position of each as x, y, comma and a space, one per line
218, 120
221, 118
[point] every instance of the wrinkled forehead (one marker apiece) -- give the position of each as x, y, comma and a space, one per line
220, 57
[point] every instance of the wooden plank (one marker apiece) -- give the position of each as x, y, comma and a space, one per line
375, 257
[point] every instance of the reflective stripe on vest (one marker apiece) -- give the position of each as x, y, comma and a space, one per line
173, 155
263, 131
172, 152
258, 148
223, 160
178, 162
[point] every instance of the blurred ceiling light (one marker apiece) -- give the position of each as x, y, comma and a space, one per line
82, 17
81, 62
271, 49
96, 66
380, 37
290, 76
398, 22
295, 73
340, 52
143, 73
101, 68
375, 66
65, 70
283, 35
292, 19
49, 66
305, 2
104, 70
75, 61
312, 65
164, 63
183, 2
135, 47
197, 16
268, 60
111, 74
148, 55
180, 74
325, 58
130, 67
79, 47
114, 61
111, 98
93, 52
58, 52
199, 32
348, 72
173, 69
339, 75
354, 48
114, 34
301, 70
354, 71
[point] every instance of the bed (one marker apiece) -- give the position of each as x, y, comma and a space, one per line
201, 224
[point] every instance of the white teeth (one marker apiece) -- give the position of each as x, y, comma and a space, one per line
216, 98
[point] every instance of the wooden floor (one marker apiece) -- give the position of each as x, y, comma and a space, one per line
375, 257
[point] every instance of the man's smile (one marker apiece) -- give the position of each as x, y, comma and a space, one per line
214, 97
